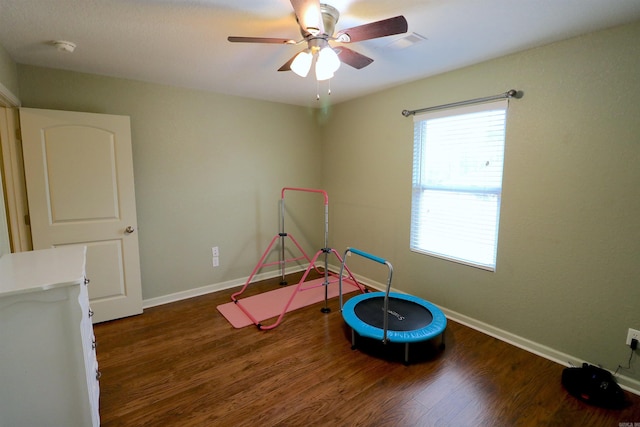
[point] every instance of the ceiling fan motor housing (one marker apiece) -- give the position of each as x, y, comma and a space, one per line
330, 16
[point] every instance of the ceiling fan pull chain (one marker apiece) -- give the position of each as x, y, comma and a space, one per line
317, 90
329, 89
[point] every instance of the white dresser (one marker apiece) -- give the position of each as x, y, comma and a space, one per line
48, 368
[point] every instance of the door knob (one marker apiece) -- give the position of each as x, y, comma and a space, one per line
129, 230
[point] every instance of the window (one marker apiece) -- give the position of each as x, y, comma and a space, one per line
457, 183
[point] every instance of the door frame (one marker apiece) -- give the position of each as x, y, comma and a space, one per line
13, 173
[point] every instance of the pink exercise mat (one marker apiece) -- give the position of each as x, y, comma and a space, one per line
270, 304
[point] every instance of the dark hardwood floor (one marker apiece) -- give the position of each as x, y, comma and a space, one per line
183, 364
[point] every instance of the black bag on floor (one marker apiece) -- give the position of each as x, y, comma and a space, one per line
593, 385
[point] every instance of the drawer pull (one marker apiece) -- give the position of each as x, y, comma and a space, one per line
98, 375
90, 313
86, 281
94, 344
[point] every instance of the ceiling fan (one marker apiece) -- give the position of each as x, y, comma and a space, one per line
317, 23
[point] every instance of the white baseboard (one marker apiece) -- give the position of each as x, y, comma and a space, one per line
191, 293
627, 383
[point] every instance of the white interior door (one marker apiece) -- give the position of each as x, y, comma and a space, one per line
79, 175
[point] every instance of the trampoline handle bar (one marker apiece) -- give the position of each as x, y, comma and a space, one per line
367, 255
385, 306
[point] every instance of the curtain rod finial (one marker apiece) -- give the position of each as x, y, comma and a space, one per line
515, 94
406, 113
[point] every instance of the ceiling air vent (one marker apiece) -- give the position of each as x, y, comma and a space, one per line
406, 41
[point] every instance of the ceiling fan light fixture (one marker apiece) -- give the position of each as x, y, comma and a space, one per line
327, 63
323, 74
302, 63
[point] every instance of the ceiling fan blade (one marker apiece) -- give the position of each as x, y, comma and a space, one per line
350, 57
287, 65
309, 15
237, 39
386, 27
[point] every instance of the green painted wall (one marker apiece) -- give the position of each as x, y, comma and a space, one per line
208, 172
568, 266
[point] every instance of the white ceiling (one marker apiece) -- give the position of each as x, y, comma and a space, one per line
184, 42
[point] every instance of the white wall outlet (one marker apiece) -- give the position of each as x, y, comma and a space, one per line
215, 253
633, 334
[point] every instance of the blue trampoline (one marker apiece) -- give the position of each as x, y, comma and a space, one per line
408, 319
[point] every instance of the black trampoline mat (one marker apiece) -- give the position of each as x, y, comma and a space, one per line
403, 315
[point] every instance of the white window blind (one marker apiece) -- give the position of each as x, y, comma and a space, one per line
457, 183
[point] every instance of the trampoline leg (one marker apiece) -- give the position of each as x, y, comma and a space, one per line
353, 339
406, 353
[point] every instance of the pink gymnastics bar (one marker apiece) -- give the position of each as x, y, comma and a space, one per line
300, 288
234, 297
308, 190
283, 260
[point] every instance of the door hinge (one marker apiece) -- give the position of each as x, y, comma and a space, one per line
27, 220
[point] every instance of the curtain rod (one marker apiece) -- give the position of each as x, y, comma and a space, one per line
508, 94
